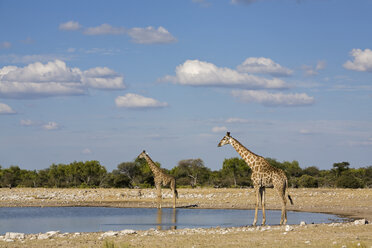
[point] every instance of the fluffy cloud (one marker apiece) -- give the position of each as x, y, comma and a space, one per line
362, 60
200, 73
264, 66
70, 26
6, 109
273, 99
151, 35
104, 29
137, 101
55, 78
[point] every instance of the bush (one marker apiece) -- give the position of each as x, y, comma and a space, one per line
349, 181
307, 181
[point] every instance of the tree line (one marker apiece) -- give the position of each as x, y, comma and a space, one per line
188, 173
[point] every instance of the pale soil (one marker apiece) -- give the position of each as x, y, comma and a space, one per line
352, 203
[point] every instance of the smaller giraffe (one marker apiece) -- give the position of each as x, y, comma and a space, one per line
263, 176
160, 178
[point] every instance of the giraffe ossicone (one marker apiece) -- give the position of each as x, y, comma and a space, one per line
263, 176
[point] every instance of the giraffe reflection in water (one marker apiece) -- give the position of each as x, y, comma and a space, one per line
164, 224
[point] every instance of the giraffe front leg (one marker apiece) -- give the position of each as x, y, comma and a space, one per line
174, 198
256, 209
158, 189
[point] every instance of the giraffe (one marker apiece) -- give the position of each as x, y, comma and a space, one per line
160, 178
263, 176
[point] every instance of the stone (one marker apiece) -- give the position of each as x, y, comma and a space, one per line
109, 234
288, 228
48, 235
361, 222
127, 231
14, 235
302, 223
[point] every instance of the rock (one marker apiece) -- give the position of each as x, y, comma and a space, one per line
14, 235
302, 223
43, 236
361, 222
127, 231
48, 235
288, 228
109, 234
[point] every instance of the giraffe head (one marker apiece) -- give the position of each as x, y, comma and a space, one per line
143, 154
225, 140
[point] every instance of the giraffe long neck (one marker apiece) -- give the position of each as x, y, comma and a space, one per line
151, 164
248, 156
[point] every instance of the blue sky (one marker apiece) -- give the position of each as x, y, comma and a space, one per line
103, 80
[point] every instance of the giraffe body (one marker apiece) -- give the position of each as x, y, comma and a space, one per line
263, 176
161, 179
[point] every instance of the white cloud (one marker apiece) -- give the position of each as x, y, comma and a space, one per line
311, 70
200, 73
70, 26
219, 129
273, 99
151, 35
53, 79
263, 66
362, 60
6, 109
51, 126
104, 29
102, 78
131, 100
5, 45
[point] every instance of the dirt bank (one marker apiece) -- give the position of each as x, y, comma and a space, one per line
348, 202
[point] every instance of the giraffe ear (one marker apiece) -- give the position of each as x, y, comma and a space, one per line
228, 134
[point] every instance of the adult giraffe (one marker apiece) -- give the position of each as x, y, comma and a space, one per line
263, 176
160, 178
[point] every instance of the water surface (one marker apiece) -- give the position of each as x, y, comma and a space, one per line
94, 219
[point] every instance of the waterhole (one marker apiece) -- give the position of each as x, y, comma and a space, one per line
94, 219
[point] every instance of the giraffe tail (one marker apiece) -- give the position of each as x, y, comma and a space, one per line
176, 192
289, 197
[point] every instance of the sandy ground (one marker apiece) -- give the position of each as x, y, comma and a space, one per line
356, 204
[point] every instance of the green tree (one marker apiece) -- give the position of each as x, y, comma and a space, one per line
339, 168
307, 181
238, 169
11, 176
92, 173
348, 180
192, 172
311, 171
